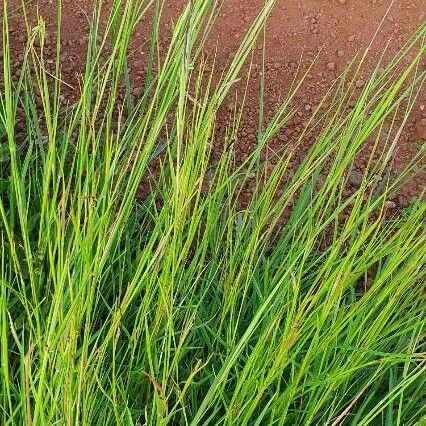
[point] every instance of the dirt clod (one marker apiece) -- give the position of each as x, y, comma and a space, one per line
420, 129
355, 178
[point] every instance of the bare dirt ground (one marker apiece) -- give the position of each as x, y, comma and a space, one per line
298, 31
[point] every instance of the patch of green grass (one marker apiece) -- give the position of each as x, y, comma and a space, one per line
2, 131
185, 307
2, 117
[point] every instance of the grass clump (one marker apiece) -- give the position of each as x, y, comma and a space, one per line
185, 307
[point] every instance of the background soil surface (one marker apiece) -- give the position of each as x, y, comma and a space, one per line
298, 31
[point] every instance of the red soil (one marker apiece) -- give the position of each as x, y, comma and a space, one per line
298, 30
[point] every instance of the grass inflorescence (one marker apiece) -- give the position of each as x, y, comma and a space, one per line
299, 306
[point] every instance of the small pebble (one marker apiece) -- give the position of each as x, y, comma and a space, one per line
390, 204
331, 66
359, 83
